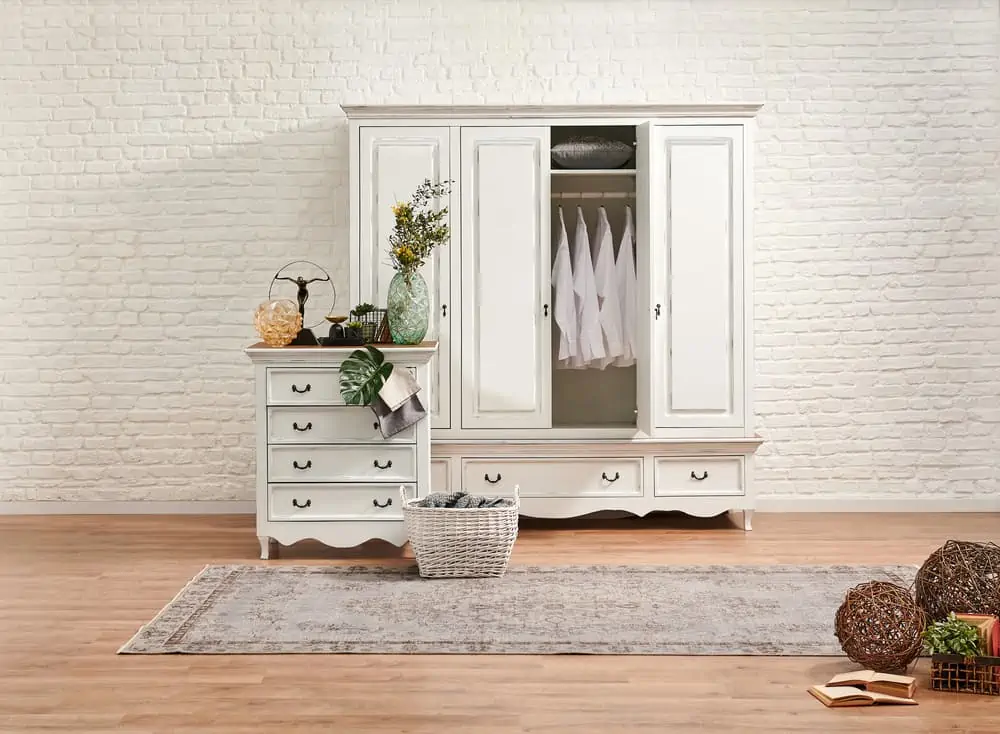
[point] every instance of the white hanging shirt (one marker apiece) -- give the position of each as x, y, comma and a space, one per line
628, 293
590, 344
564, 303
603, 252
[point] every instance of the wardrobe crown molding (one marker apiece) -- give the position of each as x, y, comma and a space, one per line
433, 112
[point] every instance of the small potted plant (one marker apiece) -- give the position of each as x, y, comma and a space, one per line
353, 329
957, 661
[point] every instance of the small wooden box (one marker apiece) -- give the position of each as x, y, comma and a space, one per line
965, 675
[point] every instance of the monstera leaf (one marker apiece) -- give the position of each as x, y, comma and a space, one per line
362, 375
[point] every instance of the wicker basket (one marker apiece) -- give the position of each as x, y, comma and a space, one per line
451, 542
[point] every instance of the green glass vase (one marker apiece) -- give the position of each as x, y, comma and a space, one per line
408, 308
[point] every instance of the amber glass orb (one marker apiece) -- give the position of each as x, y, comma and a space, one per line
277, 322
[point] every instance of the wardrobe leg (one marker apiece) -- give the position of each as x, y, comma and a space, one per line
747, 517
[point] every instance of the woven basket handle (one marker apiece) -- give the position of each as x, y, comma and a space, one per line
402, 494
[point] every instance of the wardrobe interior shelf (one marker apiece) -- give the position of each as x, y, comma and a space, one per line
592, 195
593, 171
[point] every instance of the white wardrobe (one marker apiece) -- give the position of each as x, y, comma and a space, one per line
671, 431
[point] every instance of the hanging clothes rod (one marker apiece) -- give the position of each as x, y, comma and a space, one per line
594, 195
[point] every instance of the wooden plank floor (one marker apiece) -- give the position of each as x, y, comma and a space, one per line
73, 589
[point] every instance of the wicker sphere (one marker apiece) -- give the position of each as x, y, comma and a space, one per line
879, 626
277, 322
961, 577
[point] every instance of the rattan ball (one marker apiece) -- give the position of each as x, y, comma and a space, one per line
879, 626
961, 577
277, 322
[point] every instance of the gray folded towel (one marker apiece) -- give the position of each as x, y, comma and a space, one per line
391, 422
462, 500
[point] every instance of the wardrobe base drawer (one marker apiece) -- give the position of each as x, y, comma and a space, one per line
362, 463
554, 477
319, 502
679, 476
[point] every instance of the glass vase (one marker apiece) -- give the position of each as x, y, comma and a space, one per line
408, 308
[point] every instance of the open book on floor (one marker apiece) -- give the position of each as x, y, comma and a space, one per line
869, 680
840, 696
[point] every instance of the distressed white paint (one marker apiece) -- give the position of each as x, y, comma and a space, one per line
698, 276
506, 332
392, 165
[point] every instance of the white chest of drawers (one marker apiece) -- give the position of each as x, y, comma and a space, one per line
324, 471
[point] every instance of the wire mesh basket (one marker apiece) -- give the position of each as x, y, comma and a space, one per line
374, 325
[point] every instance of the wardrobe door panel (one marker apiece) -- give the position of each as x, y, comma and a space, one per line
698, 277
506, 354
394, 161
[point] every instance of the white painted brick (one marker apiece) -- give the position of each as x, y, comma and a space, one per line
159, 162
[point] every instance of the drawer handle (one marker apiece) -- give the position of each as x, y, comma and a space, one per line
492, 481
703, 476
308, 427
308, 464
382, 507
295, 388
606, 478
387, 465
295, 503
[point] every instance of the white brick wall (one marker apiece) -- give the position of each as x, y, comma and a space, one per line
161, 160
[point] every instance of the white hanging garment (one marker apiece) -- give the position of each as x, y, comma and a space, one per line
628, 292
603, 252
590, 344
564, 302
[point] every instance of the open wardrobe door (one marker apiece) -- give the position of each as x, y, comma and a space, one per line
649, 221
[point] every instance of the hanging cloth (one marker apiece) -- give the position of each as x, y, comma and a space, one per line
603, 252
628, 293
564, 303
590, 345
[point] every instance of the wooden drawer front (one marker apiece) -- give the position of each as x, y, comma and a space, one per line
696, 476
311, 463
344, 424
304, 502
303, 386
440, 475
554, 477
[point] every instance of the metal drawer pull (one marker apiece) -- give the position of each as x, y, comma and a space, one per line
703, 476
388, 464
308, 427
295, 388
605, 477
295, 503
308, 464
382, 507
492, 481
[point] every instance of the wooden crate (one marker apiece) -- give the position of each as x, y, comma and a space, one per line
966, 675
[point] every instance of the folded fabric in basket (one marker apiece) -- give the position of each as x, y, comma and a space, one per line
462, 500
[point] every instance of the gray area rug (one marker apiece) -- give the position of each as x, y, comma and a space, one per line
615, 610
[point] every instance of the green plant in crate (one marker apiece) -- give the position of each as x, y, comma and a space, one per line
952, 636
362, 375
